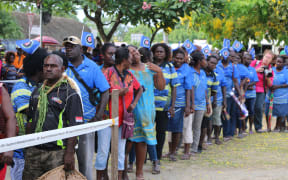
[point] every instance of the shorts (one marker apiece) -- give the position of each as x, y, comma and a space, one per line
216, 116
205, 122
175, 124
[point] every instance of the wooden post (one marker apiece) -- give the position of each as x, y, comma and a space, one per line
114, 136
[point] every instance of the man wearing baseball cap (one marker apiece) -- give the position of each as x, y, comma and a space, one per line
94, 78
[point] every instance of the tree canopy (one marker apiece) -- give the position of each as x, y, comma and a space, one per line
9, 29
245, 20
157, 14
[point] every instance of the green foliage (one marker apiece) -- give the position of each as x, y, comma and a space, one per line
9, 29
245, 20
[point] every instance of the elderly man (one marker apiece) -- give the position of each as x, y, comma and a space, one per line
55, 105
80, 66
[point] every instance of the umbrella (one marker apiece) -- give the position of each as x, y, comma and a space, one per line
47, 40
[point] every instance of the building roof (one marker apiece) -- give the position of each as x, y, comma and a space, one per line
58, 27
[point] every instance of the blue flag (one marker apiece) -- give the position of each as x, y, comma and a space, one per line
19, 42
145, 42
29, 46
87, 39
225, 52
237, 46
189, 46
252, 53
226, 43
206, 51
286, 50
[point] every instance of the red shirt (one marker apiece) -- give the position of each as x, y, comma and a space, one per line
113, 80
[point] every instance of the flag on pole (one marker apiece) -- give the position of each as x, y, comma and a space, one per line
29, 46
237, 46
286, 50
225, 52
19, 42
226, 43
206, 51
87, 39
145, 42
252, 53
189, 46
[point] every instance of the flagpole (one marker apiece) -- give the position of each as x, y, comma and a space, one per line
41, 24
82, 32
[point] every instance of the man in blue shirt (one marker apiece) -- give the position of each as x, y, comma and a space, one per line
94, 78
250, 94
212, 84
232, 78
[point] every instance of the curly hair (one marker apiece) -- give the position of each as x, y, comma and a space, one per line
106, 46
7, 56
196, 57
180, 51
146, 54
33, 63
166, 48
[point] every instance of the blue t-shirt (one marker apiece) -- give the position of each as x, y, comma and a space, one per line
20, 97
186, 83
200, 87
281, 94
229, 71
163, 97
94, 78
243, 71
222, 83
253, 78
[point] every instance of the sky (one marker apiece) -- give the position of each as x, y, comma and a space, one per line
80, 15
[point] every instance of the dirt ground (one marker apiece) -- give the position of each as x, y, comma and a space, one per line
257, 156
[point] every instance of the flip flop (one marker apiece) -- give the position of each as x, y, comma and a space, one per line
185, 157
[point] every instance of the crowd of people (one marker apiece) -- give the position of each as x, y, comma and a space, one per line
194, 97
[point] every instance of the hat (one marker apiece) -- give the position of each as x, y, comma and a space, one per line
72, 40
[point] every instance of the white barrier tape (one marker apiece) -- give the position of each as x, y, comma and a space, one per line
9, 81
19, 142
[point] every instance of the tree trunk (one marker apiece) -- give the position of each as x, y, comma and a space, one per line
153, 35
100, 26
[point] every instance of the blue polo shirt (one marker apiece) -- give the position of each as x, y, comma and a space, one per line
253, 78
163, 98
243, 71
222, 83
200, 87
229, 71
186, 83
20, 97
94, 78
281, 94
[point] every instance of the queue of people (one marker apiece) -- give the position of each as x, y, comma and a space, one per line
195, 97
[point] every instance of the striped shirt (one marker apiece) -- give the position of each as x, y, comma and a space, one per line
163, 98
212, 82
20, 97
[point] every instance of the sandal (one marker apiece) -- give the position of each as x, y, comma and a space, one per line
172, 157
167, 155
140, 177
185, 157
